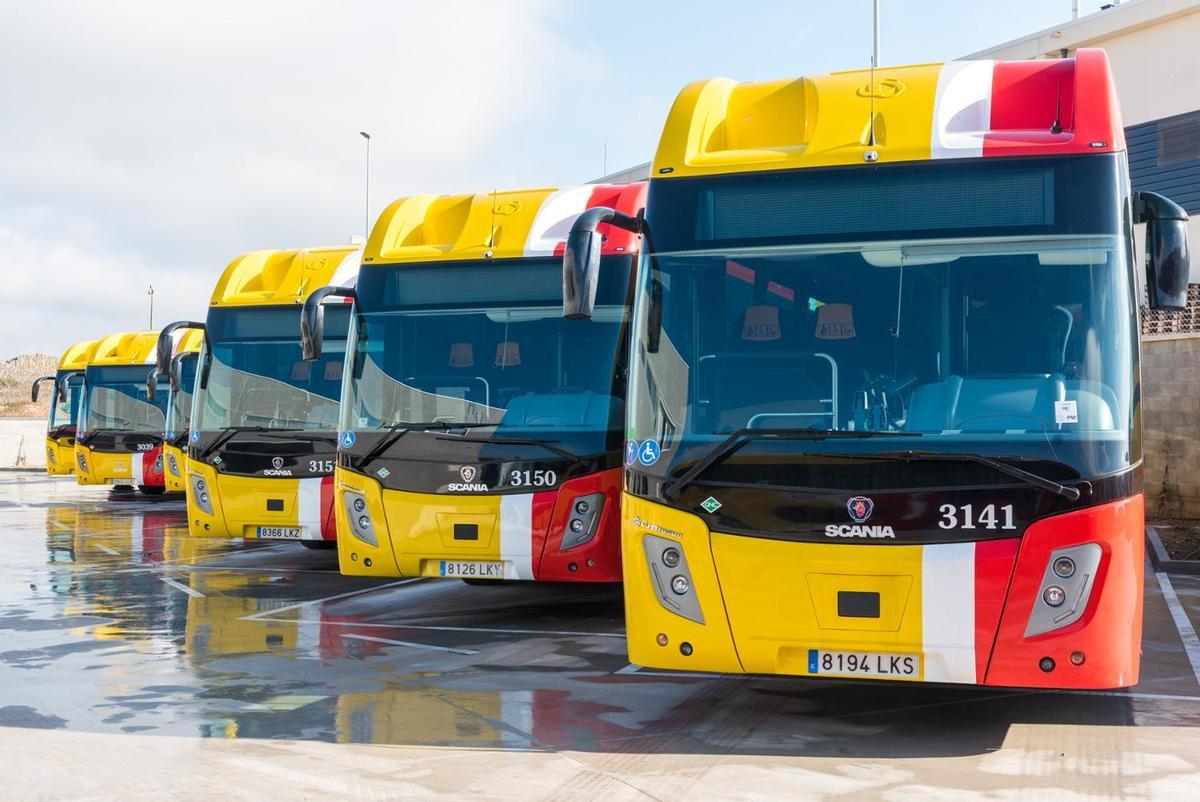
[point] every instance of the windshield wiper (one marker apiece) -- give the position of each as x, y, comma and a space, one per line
727, 447
516, 441
1069, 493
228, 432
400, 428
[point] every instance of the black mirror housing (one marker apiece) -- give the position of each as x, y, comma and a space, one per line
1168, 262
581, 258
152, 384
35, 391
312, 320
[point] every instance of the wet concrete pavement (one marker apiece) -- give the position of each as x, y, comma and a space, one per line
138, 662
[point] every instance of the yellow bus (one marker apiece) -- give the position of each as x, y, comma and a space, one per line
60, 425
481, 434
119, 425
264, 421
883, 401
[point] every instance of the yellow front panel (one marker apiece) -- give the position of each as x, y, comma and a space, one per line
782, 599
174, 469
103, 468
645, 616
240, 505
421, 529
60, 456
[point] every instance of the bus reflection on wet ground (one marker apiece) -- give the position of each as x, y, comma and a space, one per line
114, 620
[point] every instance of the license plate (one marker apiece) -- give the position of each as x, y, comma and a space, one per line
121, 480
281, 532
886, 665
477, 569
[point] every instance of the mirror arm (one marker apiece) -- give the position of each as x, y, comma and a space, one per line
1149, 206
166, 342
312, 320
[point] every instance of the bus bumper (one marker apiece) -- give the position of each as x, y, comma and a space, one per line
960, 611
517, 536
258, 508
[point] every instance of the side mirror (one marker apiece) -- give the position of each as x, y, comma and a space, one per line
63, 387
175, 375
152, 384
1168, 263
312, 320
581, 258
166, 343
37, 386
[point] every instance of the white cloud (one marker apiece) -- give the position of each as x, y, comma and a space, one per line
150, 141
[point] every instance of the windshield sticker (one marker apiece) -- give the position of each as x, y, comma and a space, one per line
348, 440
631, 451
710, 505
383, 473
761, 324
1066, 412
649, 452
835, 322
195, 437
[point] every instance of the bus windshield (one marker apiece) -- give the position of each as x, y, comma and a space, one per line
65, 409
179, 408
255, 376
484, 345
116, 401
1015, 345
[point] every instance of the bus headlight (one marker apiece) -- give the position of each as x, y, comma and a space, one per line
672, 578
583, 520
361, 525
82, 460
200, 494
51, 457
173, 464
1067, 583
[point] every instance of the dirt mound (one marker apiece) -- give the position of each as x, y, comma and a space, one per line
16, 376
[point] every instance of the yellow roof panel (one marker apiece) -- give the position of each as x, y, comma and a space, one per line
274, 277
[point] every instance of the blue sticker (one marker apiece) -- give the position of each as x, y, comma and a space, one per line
348, 439
631, 451
648, 453
195, 437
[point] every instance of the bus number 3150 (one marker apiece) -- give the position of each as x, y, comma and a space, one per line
964, 517
532, 478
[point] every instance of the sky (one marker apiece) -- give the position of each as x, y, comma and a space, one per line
149, 143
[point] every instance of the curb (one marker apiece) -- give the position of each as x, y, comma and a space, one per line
34, 469
1162, 561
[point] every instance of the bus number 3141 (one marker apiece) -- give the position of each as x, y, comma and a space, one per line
964, 517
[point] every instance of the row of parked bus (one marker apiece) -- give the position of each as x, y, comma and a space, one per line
848, 388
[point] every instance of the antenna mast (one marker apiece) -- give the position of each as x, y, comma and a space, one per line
874, 66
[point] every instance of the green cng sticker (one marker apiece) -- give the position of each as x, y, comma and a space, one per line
710, 505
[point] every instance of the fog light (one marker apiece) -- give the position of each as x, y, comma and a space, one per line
582, 506
364, 522
359, 505
1054, 596
354, 556
680, 584
572, 567
591, 563
1064, 567
662, 639
576, 525
1077, 658
685, 649
367, 562
1046, 664
671, 557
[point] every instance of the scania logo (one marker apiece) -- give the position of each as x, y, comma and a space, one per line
468, 473
277, 463
860, 508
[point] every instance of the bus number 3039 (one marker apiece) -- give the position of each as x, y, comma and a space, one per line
964, 517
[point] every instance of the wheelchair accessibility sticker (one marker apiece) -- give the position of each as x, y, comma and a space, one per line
648, 452
348, 439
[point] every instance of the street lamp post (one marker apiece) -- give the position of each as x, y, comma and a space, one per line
367, 182
150, 292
